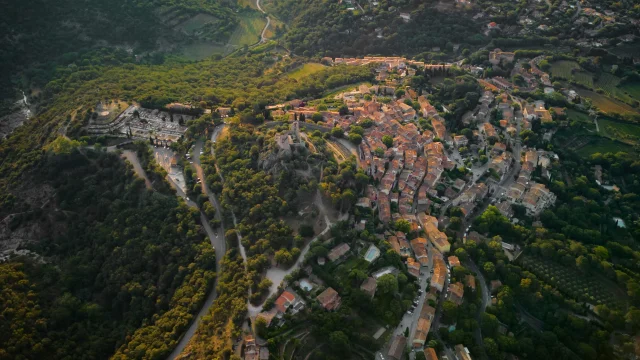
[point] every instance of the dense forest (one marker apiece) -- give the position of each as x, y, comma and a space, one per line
328, 28
100, 274
41, 35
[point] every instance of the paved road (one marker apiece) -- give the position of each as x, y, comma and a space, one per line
262, 37
486, 298
132, 157
216, 237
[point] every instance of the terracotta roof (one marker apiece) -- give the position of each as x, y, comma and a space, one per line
430, 354
329, 299
397, 347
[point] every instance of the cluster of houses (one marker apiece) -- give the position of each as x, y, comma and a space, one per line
454, 293
535, 197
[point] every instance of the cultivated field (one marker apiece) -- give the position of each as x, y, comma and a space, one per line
632, 90
249, 30
564, 68
599, 144
605, 103
625, 132
202, 50
306, 69
609, 83
572, 282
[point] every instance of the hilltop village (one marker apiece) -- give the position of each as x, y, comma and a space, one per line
429, 181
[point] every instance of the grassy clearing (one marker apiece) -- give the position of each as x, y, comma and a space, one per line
603, 145
249, 3
107, 112
305, 70
248, 30
625, 132
333, 92
632, 90
605, 103
574, 283
577, 115
202, 50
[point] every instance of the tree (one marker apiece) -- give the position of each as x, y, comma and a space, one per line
387, 140
399, 93
63, 145
403, 225
337, 132
283, 256
306, 230
343, 110
461, 253
357, 130
489, 269
387, 284
450, 310
489, 323
355, 138
317, 117
261, 327
339, 342
455, 223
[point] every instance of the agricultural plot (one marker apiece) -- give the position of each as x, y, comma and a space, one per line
305, 70
632, 90
609, 83
605, 103
248, 30
578, 116
583, 78
570, 70
627, 50
572, 282
564, 69
625, 132
202, 50
599, 144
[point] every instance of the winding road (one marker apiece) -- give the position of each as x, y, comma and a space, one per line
217, 241
263, 38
